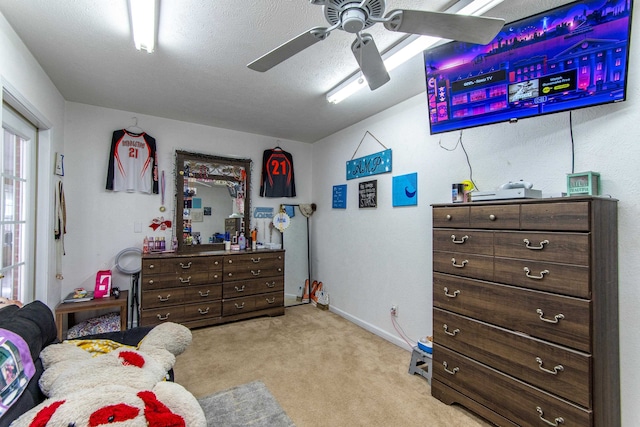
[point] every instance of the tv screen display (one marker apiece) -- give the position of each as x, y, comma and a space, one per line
569, 57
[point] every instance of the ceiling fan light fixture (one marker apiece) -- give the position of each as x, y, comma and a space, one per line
144, 17
408, 48
353, 20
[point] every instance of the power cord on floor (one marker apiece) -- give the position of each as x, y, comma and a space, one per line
411, 343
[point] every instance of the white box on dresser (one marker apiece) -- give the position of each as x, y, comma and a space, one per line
525, 297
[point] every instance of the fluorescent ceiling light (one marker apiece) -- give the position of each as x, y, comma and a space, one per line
407, 49
144, 16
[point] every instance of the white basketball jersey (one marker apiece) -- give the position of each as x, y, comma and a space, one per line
132, 163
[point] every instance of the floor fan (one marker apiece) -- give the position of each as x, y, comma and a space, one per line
129, 261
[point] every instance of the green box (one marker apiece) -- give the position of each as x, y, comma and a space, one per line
583, 183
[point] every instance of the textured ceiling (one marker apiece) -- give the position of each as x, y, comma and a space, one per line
198, 72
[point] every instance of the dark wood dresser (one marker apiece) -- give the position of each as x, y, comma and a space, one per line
525, 310
209, 288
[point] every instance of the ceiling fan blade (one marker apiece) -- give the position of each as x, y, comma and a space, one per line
288, 49
464, 28
370, 61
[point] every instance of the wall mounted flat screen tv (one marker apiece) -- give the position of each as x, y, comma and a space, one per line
570, 57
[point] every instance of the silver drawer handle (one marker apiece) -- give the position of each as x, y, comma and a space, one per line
492, 217
459, 242
216, 262
164, 299
255, 273
448, 217
187, 280
556, 369
540, 277
201, 311
203, 294
527, 243
271, 285
464, 262
453, 371
271, 301
150, 282
455, 293
452, 333
556, 318
239, 289
239, 306
255, 261
165, 317
556, 422
185, 266
230, 274
151, 266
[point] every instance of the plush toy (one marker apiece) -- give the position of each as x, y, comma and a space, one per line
124, 386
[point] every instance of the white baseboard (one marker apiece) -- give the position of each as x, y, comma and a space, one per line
373, 329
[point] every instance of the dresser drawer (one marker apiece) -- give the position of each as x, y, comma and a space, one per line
451, 216
251, 287
559, 319
553, 368
461, 264
569, 216
156, 266
197, 263
202, 293
253, 266
464, 241
156, 298
202, 310
264, 301
518, 401
180, 264
238, 305
156, 316
544, 276
567, 248
495, 217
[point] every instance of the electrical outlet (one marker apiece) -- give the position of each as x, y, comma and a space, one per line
394, 310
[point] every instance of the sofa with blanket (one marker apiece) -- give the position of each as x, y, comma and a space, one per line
27, 331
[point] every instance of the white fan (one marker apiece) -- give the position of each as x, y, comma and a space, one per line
353, 16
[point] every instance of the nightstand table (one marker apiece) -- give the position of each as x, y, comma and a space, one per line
69, 309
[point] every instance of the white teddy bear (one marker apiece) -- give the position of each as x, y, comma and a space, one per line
125, 386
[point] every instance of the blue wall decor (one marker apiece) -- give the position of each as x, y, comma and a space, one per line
340, 196
405, 190
263, 212
373, 164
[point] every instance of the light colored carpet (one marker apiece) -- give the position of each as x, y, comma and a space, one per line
322, 369
246, 405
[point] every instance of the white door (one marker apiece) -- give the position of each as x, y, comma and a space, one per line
17, 207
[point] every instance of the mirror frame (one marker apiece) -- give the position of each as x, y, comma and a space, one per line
181, 157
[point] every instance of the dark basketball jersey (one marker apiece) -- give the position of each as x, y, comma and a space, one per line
132, 163
277, 178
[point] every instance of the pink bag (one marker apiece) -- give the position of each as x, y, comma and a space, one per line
103, 284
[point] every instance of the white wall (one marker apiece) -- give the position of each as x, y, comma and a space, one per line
101, 222
370, 259
22, 76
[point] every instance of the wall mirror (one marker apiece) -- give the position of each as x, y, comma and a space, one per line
213, 196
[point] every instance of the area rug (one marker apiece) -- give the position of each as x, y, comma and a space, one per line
250, 404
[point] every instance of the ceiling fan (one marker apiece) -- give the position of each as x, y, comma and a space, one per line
354, 16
